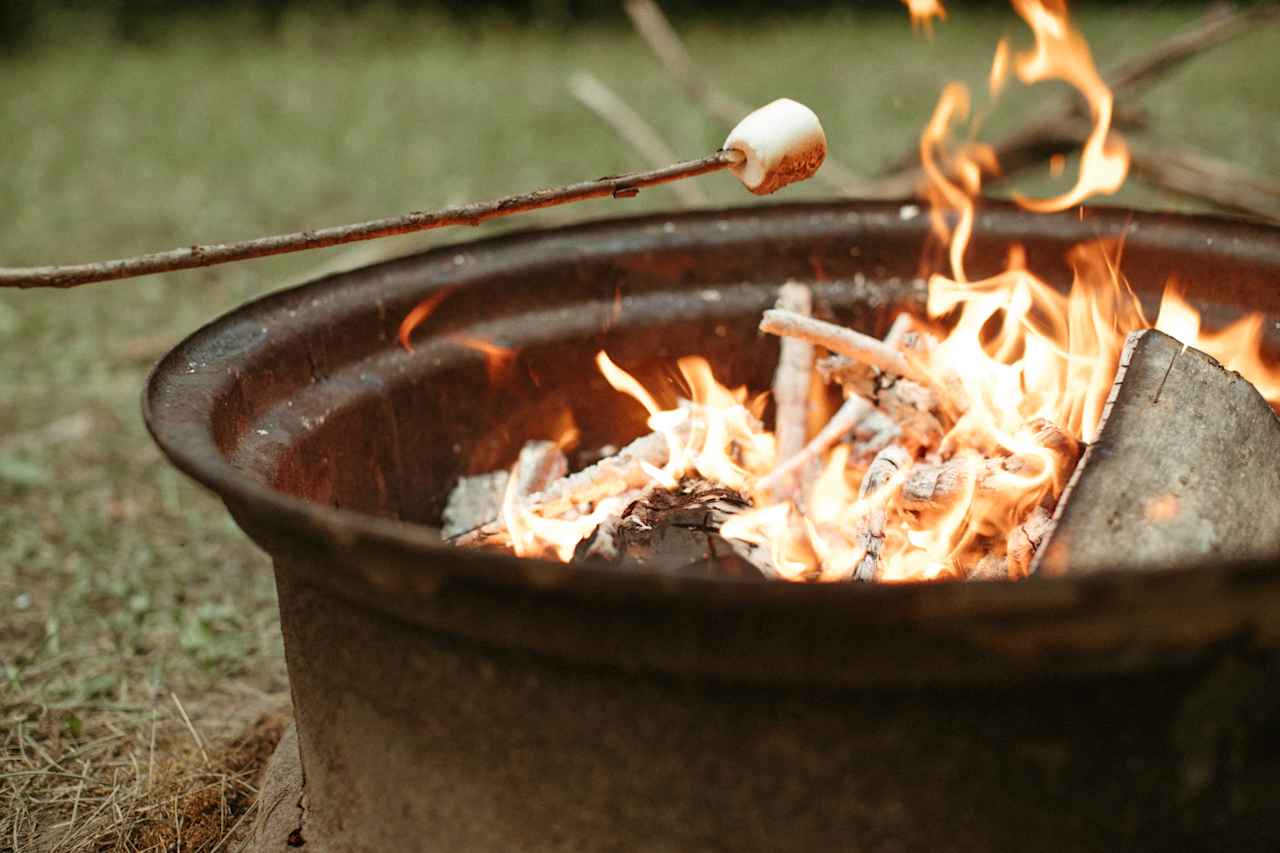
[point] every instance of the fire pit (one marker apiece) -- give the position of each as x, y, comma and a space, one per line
468, 700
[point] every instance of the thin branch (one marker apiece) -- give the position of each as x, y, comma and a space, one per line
621, 186
656, 30
631, 126
1206, 178
1220, 25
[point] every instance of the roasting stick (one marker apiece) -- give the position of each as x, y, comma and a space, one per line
780, 143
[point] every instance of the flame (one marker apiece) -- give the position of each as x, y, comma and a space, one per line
923, 12
1237, 346
1021, 372
420, 312
1061, 53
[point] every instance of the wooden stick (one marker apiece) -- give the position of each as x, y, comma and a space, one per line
1203, 177
620, 186
791, 383
631, 126
889, 463
838, 339
610, 477
853, 410
656, 30
1220, 24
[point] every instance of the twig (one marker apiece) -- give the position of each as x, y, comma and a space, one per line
847, 417
631, 126
655, 28
621, 186
1206, 178
840, 340
1220, 25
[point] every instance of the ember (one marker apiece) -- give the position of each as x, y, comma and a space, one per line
955, 435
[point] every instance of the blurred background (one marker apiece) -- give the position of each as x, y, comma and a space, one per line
127, 598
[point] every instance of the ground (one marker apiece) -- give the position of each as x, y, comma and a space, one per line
139, 626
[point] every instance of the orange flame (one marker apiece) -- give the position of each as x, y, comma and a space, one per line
1021, 374
1061, 53
923, 12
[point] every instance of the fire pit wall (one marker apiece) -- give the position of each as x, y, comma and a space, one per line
467, 701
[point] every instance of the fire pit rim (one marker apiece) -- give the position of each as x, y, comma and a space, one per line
188, 442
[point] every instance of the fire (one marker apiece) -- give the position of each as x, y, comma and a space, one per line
1061, 53
1019, 371
923, 12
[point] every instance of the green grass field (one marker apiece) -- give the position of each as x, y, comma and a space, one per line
122, 585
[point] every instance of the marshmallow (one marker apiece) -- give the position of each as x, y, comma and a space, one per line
783, 143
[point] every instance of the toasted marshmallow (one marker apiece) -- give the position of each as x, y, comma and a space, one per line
783, 143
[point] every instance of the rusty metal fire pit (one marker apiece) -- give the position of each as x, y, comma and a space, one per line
460, 700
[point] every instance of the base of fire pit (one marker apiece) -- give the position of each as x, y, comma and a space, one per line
281, 812
482, 749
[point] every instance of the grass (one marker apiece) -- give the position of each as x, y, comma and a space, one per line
121, 584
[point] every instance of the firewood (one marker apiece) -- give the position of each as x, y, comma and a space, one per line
473, 501
610, 477
992, 567
911, 406
901, 325
478, 498
603, 543
539, 465
791, 384
936, 488
888, 464
1182, 471
854, 376
678, 531
1025, 539
838, 339
842, 422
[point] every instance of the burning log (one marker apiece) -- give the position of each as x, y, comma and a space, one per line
936, 488
1184, 468
854, 376
477, 499
791, 384
678, 530
610, 477
911, 407
887, 466
1025, 540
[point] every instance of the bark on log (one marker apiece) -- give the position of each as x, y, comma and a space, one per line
678, 531
887, 465
1183, 471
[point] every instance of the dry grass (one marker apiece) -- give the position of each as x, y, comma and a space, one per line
121, 793
120, 582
